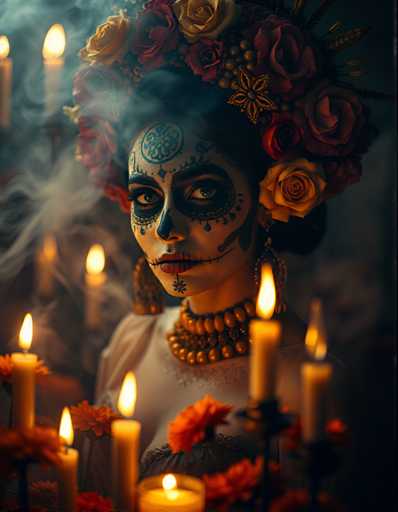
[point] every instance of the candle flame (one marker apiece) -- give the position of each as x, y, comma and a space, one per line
66, 427
315, 339
54, 42
169, 482
49, 249
128, 395
4, 47
267, 295
95, 261
26, 333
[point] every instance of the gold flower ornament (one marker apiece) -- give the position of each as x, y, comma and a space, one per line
204, 18
292, 188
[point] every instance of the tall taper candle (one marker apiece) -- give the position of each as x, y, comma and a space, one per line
67, 468
95, 279
53, 50
265, 337
5, 83
23, 379
125, 448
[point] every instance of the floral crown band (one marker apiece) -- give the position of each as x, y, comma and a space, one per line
288, 81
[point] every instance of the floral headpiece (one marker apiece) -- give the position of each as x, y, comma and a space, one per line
279, 73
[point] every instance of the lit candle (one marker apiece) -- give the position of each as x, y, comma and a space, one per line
46, 260
23, 379
5, 83
53, 50
67, 468
125, 447
315, 378
265, 337
95, 279
177, 493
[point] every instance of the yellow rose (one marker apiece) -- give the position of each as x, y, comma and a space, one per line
110, 41
203, 18
292, 188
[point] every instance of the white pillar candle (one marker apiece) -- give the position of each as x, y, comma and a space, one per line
68, 466
23, 379
5, 83
315, 387
53, 49
95, 279
265, 338
177, 493
315, 377
125, 449
45, 266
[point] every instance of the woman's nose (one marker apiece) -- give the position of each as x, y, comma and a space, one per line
167, 229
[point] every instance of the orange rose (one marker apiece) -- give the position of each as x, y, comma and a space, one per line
110, 41
191, 425
292, 188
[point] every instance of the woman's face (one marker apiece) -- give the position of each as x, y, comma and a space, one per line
192, 212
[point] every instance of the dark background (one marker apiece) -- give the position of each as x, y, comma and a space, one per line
353, 270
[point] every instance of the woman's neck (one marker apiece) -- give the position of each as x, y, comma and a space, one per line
239, 286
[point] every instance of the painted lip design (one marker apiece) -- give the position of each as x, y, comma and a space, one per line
178, 263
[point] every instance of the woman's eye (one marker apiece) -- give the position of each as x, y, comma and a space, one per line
145, 197
203, 193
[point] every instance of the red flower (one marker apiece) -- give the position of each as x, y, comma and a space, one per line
283, 52
235, 484
332, 120
340, 174
6, 368
86, 417
156, 34
100, 90
191, 425
204, 58
298, 501
96, 146
93, 502
281, 137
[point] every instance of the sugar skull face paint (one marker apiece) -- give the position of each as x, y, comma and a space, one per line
191, 212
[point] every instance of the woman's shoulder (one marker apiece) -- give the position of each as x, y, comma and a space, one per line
128, 344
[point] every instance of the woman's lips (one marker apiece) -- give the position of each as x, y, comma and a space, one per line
178, 263
178, 266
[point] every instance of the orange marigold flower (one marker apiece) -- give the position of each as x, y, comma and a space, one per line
6, 367
235, 484
87, 417
39, 444
93, 502
297, 500
192, 424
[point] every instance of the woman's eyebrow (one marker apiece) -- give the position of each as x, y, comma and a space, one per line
196, 171
139, 179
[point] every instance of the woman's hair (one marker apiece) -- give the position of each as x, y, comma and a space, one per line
182, 97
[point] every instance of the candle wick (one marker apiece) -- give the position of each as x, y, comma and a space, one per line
66, 449
25, 351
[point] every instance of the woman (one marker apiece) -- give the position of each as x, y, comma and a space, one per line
226, 125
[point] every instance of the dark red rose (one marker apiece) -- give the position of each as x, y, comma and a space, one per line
340, 174
96, 146
93, 502
120, 195
100, 91
281, 137
204, 58
283, 53
156, 34
332, 120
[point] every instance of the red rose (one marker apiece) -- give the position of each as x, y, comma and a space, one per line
118, 194
283, 52
332, 120
96, 146
156, 34
93, 502
340, 174
204, 58
281, 137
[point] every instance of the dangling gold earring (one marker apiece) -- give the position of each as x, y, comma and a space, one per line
279, 268
147, 292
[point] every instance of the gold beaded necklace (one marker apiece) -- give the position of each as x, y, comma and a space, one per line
202, 339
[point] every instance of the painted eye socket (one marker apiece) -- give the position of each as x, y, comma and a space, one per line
146, 197
203, 192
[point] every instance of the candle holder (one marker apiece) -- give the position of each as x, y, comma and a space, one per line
267, 420
321, 459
